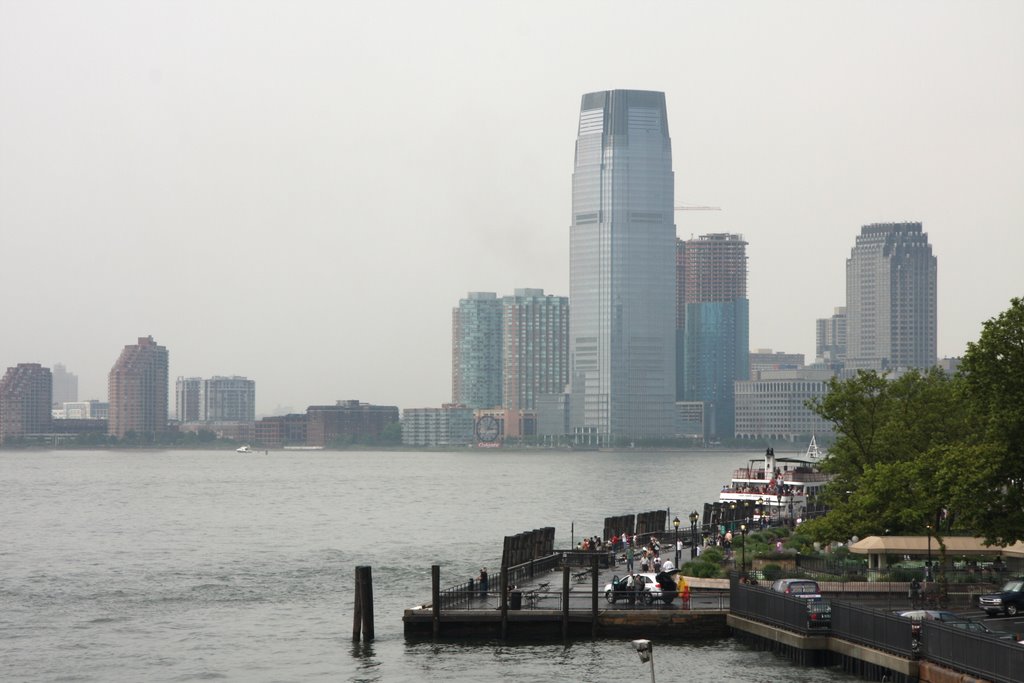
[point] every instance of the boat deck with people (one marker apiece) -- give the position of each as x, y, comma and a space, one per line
779, 486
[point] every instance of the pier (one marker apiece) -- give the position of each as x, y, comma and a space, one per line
550, 595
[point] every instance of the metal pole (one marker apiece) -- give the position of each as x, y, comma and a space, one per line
652, 662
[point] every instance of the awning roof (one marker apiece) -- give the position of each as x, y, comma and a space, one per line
918, 545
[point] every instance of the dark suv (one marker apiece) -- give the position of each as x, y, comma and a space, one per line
1009, 600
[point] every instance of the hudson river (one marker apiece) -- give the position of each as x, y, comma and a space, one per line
191, 565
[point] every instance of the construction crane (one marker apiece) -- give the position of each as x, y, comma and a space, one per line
691, 207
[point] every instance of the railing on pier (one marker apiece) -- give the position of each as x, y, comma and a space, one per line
976, 654
873, 628
768, 606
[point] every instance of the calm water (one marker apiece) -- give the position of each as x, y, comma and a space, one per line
180, 566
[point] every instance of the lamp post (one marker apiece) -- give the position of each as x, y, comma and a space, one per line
759, 511
778, 499
928, 567
732, 514
693, 534
743, 557
675, 523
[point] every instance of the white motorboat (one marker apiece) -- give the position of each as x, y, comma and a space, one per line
244, 449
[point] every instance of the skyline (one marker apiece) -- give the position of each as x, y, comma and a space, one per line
300, 196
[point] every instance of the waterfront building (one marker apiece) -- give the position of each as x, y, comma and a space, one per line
891, 312
712, 326
65, 385
347, 421
186, 398
553, 418
26, 397
449, 425
830, 338
766, 359
622, 348
280, 431
477, 351
774, 406
227, 399
137, 387
535, 347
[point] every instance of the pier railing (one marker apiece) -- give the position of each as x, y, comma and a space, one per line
976, 654
470, 593
873, 628
766, 605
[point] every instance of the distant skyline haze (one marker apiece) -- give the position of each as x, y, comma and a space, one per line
300, 193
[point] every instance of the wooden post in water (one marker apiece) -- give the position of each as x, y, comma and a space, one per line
357, 609
363, 613
565, 602
435, 597
593, 602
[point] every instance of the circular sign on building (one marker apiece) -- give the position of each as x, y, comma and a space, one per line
487, 429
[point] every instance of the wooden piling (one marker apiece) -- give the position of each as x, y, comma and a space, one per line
565, 602
593, 600
362, 618
504, 603
435, 597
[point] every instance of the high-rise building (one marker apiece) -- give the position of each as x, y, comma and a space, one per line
186, 398
830, 337
476, 351
26, 397
137, 386
227, 399
621, 277
713, 326
535, 340
891, 283
65, 385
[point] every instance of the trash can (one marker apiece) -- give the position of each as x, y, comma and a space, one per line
515, 600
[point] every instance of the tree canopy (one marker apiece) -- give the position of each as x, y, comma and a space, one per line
929, 451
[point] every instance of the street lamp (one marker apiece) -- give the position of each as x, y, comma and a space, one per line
778, 497
675, 523
645, 651
928, 570
743, 560
693, 534
759, 511
732, 514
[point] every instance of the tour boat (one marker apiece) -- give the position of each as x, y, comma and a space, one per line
783, 485
243, 449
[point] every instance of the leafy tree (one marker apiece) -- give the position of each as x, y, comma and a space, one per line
889, 434
986, 474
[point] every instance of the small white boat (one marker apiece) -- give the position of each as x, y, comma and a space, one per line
244, 449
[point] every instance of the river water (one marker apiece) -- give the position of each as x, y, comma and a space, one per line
190, 565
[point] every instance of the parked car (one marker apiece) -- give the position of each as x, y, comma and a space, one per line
973, 626
819, 611
647, 587
800, 588
917, 615
1009, 600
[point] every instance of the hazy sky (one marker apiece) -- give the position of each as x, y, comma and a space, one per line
300, 192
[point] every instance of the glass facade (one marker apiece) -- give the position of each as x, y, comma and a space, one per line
622, 269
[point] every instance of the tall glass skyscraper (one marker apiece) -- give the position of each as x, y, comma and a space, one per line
622, 270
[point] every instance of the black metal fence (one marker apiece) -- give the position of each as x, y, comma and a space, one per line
766, 605
871, 627
977, 654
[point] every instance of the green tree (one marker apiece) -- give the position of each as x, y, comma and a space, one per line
986, 473
886, 460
